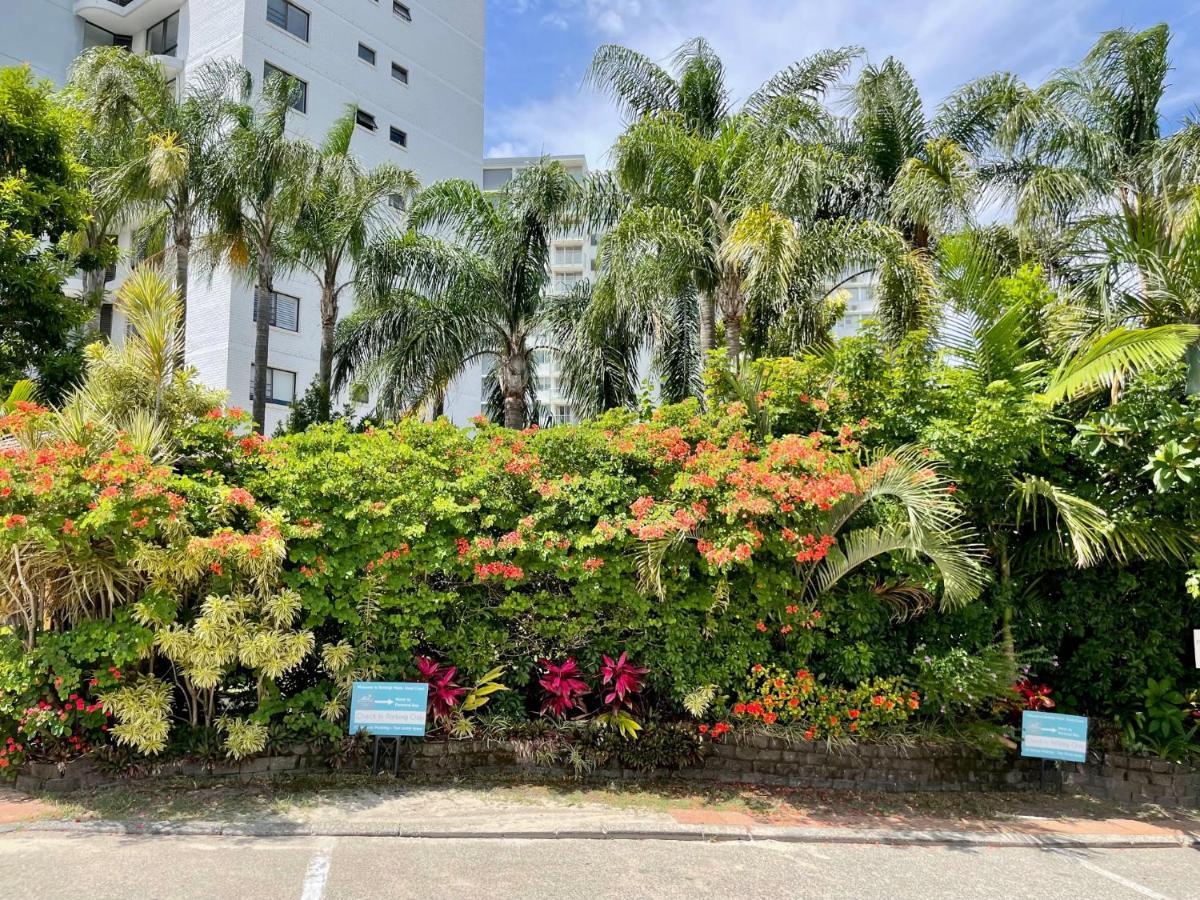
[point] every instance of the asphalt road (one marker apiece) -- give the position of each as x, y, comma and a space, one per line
48, 866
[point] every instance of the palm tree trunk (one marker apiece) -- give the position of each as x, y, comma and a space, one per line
1193, 370
329, 311
1005, 595
514, 378
93, 289
183, 256
438, 408
733, 340
708, 322
262, 342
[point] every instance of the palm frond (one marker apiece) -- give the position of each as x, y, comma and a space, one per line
1116, 355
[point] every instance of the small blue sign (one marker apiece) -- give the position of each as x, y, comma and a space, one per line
1054, 736
388, 708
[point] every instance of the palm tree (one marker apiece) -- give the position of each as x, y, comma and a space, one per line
920, 171
694, 102
697, 92
169, 175
104, 147
428, 307
1094, 182
343, 206
260, 180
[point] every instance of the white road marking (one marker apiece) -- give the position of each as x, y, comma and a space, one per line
1113, 876
318, 871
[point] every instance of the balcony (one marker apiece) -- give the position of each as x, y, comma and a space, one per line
125, 16
171, 65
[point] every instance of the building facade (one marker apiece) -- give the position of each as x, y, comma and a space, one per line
415, 70
859, 289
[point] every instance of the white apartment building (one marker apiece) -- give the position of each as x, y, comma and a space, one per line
859, 289
415, 69
572, 259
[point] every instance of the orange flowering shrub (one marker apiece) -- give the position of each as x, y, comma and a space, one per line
663, 538
776, 696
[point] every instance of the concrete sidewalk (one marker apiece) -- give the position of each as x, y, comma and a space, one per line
463, 813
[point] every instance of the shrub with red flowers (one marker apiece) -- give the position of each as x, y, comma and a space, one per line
666, 536
820, 711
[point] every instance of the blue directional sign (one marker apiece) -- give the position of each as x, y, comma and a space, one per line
388, 708
1054, 736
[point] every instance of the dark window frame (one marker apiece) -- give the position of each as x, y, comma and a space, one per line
275, 295
300, 104
283, 19
364, 119
394, 132
171, 50
399, 73
402, 10
271, 398
367, 54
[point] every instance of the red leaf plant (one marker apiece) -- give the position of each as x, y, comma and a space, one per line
444, 694
563, 686
625, 679
1033, 696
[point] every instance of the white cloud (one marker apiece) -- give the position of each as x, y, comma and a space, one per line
944, 43
610, 16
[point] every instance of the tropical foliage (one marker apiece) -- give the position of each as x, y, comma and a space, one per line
984, 501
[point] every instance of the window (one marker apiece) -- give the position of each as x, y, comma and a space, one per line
398, 137
289, 17
568, 256
163, 39
366, 120
285, 311
402, 10
106, 319
366, 54
565, 283
281, 385
95, 36
400, 73
397, 202
300, 100
494, 179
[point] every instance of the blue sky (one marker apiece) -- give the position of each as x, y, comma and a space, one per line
538, 50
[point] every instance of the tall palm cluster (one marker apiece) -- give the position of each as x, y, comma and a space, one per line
747, 221
725, 225
213, 177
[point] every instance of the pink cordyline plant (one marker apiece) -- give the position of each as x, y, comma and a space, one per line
563, 686
444, 694
624, 677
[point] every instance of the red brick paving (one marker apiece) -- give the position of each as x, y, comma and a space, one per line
16, 807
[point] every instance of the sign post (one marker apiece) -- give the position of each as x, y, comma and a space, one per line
1196, 645
388, 710
1053, 736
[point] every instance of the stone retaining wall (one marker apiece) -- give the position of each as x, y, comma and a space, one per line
1135, 779
742, 759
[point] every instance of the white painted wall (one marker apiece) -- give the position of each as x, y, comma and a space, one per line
43, 33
